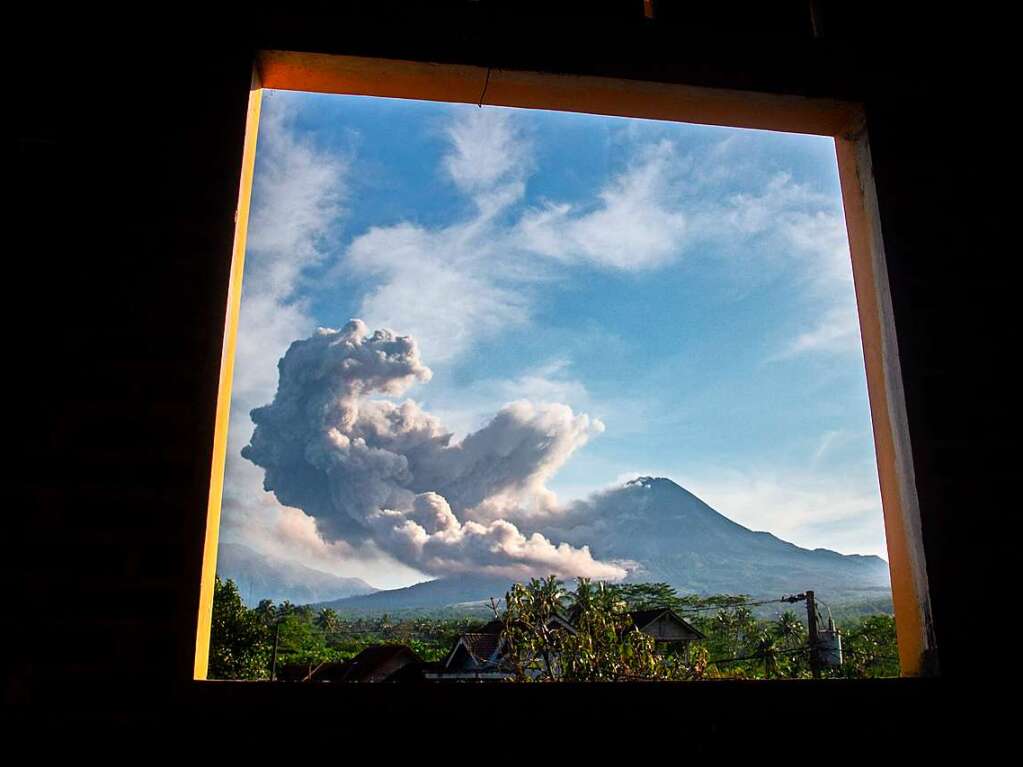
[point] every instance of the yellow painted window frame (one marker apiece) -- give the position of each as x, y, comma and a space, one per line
842, 120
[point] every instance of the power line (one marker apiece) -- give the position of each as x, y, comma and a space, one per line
688, 610
760, 657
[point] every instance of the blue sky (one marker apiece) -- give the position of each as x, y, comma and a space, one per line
687, 286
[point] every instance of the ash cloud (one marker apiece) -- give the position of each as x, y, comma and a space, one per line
371, 469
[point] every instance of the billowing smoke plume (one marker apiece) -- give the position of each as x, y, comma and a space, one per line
370, 468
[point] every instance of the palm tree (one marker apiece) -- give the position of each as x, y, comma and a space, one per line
791, 635
266, 611
327, 620
789, 629
766, 644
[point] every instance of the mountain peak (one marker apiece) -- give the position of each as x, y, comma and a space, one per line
651, 482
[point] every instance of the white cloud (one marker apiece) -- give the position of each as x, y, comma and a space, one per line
453, 286
448, 287
296, 201
487, 151
829, 441
635, 225
804, 230
837, 331
810, 509
465, 408
789, 223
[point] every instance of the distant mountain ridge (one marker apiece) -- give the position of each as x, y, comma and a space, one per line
437, 594
260, 576
672, 536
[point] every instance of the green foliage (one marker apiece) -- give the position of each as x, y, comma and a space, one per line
240, 642
605, 646
532, 637
328, 621
242, 639
869, 648
646, 596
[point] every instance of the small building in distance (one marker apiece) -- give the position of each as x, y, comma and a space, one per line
666, 626
479, 655
475, 651
475, 656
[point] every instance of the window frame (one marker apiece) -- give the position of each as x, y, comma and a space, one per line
844, 121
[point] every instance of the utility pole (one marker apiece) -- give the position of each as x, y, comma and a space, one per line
273, 658
811, 631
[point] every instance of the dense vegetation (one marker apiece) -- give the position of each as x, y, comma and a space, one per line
606, 646
242, 638
739, 643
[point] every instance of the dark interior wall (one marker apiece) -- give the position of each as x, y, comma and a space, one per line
127, 156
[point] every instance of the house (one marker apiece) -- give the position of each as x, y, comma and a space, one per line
479, 655
476, 651
666, 627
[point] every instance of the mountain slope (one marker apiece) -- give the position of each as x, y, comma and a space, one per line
429, 595
675, 537
670, 535
259, 576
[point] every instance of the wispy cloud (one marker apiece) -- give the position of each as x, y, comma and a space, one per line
836, 331
464, 408
447, 287
804, 230
487, 152
474, 279
808, 508
634, 224
829, 441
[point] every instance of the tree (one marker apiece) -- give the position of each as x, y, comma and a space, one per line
870, 649
605, 644
300, 641
266, 611
647, 596
240, 643
789, 629
532, 642
765, 644
328, 620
